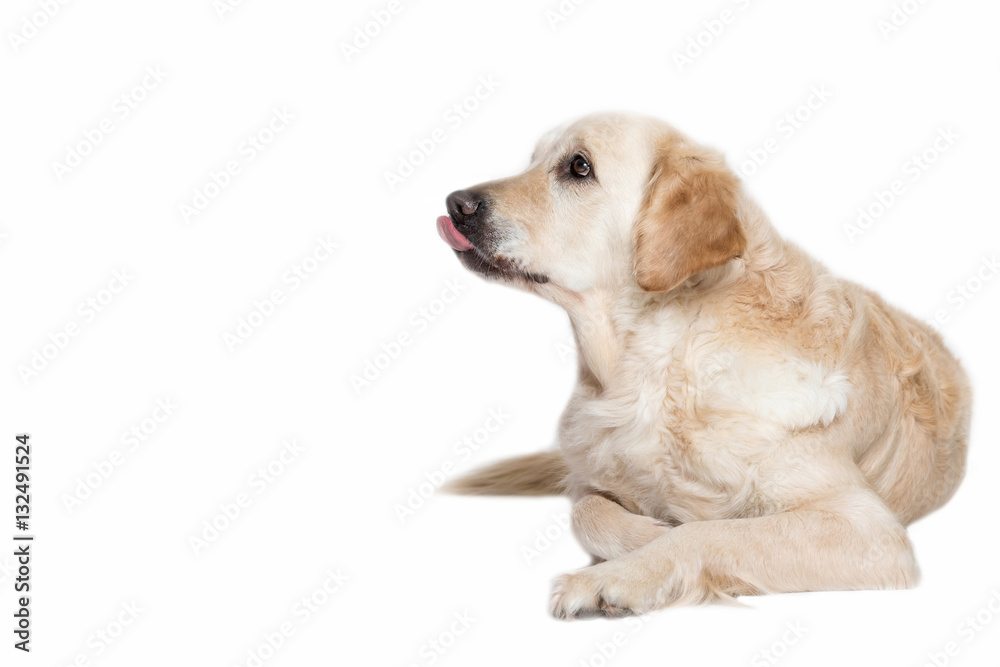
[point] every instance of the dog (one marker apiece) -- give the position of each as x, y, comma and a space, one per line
744, 422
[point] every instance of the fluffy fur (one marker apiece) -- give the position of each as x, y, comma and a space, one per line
744, 421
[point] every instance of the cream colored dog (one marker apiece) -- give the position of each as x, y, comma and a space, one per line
744, 421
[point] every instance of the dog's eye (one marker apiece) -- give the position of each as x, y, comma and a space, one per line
580, 167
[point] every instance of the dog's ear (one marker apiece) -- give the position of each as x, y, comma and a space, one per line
688, 222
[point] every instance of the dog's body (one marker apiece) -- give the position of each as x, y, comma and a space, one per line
744, 422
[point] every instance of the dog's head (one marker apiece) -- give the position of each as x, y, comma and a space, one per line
607, 201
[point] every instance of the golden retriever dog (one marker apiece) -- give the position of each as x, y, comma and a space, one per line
744, 422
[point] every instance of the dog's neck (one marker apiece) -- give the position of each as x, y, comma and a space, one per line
600, 323
605, 322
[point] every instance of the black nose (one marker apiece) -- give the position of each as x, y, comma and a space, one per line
465, 207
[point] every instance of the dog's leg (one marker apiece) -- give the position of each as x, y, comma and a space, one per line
607, 530
845, 542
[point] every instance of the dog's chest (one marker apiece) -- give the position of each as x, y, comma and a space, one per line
645, 445
686, 434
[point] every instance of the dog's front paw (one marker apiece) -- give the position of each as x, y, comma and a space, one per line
599, 590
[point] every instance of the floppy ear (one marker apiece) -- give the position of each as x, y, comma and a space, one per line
688, 221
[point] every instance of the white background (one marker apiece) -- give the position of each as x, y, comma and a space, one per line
334, 506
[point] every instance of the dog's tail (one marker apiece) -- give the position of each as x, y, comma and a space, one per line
541, 474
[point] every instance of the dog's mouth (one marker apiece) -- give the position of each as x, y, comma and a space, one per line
476, 259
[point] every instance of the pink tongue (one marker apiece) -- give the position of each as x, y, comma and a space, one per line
452, 236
